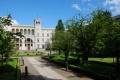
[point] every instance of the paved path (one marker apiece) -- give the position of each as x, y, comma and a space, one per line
33, 73
40, 69
45, 71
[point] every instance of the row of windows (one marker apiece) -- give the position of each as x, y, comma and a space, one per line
25, 45
43, 34
42, 40
38, 46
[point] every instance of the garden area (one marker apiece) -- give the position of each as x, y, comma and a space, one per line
10, 70
19, 54
102, 67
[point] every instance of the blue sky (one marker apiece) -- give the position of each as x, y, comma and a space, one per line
50, 11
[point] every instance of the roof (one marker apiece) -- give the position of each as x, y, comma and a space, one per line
118, 16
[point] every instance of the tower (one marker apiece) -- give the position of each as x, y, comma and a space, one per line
37, 30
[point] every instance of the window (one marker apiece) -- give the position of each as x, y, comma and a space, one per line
20, 45
31, 45
42, 34
32, 32
42, 46
37, 34
38, 40
47, 34
38, 46
43, 40
25, 44
48, 39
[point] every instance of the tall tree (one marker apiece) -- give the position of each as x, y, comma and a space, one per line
58, 30
60, 26
7, 46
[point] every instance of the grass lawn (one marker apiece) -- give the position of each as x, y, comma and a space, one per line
28, 54
106, 60
8, 71
92, 67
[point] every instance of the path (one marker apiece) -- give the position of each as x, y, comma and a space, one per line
40, 69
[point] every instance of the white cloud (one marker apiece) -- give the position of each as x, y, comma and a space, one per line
14, 22
85, 1
114, 5
89, 4
76, 7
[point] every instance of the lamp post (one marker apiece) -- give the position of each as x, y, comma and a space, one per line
50, 47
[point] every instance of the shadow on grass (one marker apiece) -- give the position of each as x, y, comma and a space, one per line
7, 72
93, 70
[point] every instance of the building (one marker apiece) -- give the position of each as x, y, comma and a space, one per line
117, 18
36, 37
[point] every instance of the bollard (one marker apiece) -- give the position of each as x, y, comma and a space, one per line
113, 77
22, 62
21, 57
26, 71
66, 66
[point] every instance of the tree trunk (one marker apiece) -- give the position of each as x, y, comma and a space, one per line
2, 59
84, 57
59, 51
117, 63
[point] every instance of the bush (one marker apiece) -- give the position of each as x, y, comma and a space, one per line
36, 53
27, 53
18, 53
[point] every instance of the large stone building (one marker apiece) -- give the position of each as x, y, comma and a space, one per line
36, 37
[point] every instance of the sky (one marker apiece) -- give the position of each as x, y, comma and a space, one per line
50, 11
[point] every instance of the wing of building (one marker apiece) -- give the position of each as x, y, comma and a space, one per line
36, 37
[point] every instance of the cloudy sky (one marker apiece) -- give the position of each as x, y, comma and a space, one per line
50, 11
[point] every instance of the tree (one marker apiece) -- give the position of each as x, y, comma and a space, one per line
7, 45
60, 26
89, 32
58, 30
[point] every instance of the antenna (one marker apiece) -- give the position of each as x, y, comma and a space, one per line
37, 14
7, 11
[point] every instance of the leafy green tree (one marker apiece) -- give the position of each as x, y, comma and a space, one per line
89, 32
58, 30
60, 26
7, 46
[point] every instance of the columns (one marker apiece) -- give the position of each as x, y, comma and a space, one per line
23, 32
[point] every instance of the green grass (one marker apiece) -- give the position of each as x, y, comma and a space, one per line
106, 60
28, 54
8, 70
92, 67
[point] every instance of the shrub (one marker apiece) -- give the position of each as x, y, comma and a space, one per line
27, 53
36, 54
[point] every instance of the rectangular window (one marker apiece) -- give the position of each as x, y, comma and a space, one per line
42, 34
31, 45
42, 46
48, 39
38, 40
47, 34
37, 34
43, 40
20, 45
38, 46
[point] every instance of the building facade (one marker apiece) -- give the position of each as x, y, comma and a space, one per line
36, 37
